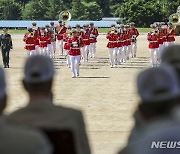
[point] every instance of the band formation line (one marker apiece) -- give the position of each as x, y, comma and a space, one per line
79, 44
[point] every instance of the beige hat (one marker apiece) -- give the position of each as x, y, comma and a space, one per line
38, 69
2, 83
74, 31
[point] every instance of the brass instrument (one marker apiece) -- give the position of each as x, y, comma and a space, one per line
114, 30
174, 19
65, 16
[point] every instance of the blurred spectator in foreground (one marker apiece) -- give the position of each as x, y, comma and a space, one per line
159, 91
16, 140
41, 111
171, 56
161, 140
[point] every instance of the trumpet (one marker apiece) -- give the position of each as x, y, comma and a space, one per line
114, 31
31, 34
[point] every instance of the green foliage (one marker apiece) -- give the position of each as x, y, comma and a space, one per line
92, 11
9, 10
34, 10
54, 8
143, 12
77, 10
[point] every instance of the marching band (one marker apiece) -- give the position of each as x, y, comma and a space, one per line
159, 37
122, 43
80, 43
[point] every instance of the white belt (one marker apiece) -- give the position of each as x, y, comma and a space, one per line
85, 39
153, 41
112, 41
29, 44
171, 36
42, 41
75, 48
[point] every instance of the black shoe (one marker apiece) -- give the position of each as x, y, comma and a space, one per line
8, 66
5, 66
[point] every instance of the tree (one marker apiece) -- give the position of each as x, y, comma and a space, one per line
142, 12
54, 9
9, 10
34, 10
92, 11
77, 9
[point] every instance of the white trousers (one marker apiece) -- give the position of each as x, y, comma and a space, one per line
84, 53
123, 53
43, 51
37, 49
30, 53
128, 51
67, 58
114, 57
49, 50
159, 52
60, 45
75, 60
92, 50
120, 54
169, 43
133, 49
153, 56
53, 48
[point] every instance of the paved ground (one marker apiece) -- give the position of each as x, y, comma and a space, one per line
106, 95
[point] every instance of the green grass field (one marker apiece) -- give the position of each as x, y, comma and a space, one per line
101, 30
141, 30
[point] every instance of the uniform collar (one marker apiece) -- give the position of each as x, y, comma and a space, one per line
40, 102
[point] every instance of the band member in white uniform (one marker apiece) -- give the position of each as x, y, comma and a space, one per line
49, 45
66, 37
93, 40
36, 32
53, 39
134, 34
86, 42
112, 37
75, 43
43, 42
61, 29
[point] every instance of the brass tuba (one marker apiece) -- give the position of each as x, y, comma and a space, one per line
174, 18
65, 16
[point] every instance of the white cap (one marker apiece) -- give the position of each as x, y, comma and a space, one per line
158, 84
38, 69
2, 83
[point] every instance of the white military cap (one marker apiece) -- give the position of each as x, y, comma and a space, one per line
158, 84
2, 83
132, 23
38, 69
